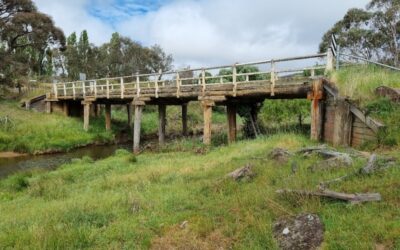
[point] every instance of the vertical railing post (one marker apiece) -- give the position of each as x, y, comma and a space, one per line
234, 79
73, 90
95, 89
203, 80
156, 82
55, 90
137, 84
338, 57
273, 78
83, 89
65, 89
178, 85
122, 87
108, 88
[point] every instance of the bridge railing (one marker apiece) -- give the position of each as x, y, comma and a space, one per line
239, 73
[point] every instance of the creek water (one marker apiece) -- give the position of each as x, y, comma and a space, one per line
10, 166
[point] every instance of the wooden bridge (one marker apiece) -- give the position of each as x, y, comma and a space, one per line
247, 83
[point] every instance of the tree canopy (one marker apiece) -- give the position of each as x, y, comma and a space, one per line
27, 38
373, 32
120, 56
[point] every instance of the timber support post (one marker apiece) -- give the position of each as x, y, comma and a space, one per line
207, 110
108, 116
184, 119
48, 107
342, 124
162, 120
231, 115
316, 95
86, 114
136, 126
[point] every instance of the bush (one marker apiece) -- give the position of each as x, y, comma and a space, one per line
18, 182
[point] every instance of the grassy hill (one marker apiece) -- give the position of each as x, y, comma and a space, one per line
33, 132
136, 203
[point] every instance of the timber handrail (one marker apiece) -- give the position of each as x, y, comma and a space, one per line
177, 79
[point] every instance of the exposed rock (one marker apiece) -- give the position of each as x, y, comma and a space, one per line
303, 232
280, 154
372, 166
332, 163
309, 150
294, 167
242, 173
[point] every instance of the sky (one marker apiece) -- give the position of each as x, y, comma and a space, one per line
206, 32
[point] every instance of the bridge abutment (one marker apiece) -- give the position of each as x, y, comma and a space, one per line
342, 124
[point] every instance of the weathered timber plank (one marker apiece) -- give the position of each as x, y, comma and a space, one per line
364, 131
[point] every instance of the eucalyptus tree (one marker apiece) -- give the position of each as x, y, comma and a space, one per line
27, 37
373, 32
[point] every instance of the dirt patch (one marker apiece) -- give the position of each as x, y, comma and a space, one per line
179, 238
304, 232
11, 155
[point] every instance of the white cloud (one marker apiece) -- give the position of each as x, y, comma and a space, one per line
72, 16
210, 32
207, 32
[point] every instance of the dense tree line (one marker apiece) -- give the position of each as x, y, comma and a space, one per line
373, 32
32, 47
120, 56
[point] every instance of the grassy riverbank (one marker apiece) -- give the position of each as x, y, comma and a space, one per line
33, 132
139, 203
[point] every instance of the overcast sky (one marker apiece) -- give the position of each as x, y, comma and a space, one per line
206, 32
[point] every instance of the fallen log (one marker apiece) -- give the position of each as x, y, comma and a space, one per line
311, 149
325, 193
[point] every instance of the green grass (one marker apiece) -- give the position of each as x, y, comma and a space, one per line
359, 82
127, 202
32, 132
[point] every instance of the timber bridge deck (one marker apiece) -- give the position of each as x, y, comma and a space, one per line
247, 83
